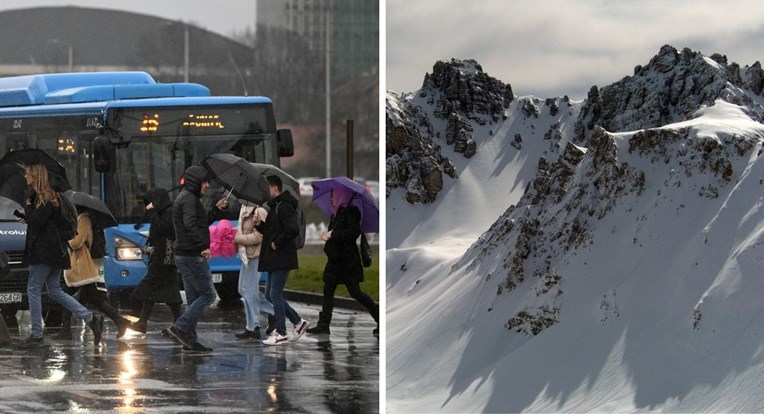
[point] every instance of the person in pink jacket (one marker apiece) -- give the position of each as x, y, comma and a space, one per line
247, 242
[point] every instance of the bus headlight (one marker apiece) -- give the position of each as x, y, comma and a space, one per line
126, 250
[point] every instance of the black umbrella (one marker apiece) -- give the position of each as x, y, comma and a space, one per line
12, 181
99, 213
239, 176
13, 185
291, 185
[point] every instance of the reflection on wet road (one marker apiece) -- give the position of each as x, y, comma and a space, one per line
140, 373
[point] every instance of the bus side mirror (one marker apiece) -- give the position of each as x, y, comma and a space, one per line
102, 154
284, 142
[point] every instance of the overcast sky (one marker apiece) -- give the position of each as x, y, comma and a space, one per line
222, 16
562, 47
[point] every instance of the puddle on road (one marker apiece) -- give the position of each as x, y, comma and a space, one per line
336, 373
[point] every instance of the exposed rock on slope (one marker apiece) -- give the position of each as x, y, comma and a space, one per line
671, 88
458, 92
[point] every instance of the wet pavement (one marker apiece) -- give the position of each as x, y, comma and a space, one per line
335, 373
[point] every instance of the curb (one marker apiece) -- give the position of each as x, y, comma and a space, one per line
316, 299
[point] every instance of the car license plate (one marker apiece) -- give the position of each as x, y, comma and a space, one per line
217, 277
13, 297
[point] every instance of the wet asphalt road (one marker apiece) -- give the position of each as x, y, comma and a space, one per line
337, 373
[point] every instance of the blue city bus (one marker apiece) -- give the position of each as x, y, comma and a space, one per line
119, 134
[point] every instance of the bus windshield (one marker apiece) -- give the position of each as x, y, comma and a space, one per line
166, 141
160, 162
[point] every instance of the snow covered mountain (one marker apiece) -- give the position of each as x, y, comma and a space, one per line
549, 255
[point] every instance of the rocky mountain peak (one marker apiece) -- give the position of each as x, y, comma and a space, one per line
670, 88
459, 92
458, 100
461, 87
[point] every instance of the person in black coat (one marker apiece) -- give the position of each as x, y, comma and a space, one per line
47, 255
161, 283
278, 255
343, 259
192, 253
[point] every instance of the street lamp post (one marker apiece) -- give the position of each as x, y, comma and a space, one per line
328, 157
186, 53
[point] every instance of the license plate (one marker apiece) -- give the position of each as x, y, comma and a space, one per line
217, 277
13, 297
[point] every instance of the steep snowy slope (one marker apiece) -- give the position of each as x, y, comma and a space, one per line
623, 273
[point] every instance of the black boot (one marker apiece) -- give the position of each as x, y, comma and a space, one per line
122, 323
322, 327
140, 324
97, 326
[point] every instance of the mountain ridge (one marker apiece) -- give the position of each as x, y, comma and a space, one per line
568, 271
670, 88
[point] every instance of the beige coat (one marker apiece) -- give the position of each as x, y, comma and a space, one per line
84, 269
247, 239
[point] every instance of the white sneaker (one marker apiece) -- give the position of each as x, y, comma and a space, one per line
276, 340
300, 329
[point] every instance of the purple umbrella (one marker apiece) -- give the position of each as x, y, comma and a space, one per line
363, 199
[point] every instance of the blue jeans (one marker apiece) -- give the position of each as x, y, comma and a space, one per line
40, 275
274, 294
249, 289
200, 292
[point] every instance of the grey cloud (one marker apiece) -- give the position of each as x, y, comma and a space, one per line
550, 48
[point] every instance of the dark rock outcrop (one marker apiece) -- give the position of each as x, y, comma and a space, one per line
458, 92
671, 88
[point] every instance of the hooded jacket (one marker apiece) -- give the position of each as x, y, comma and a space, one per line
280, 228
247, 239
190, 220
162, 215
160, 285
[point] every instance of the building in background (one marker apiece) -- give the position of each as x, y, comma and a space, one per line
284, 64
354, 31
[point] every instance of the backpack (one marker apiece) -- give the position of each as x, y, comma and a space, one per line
67, 226
366, 251
299, 240
98, 249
